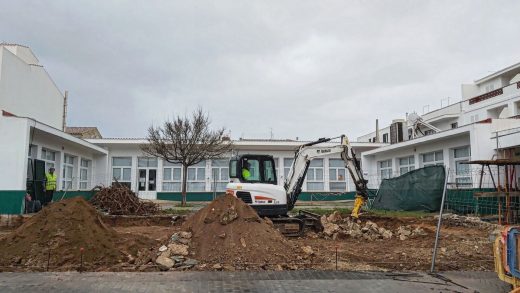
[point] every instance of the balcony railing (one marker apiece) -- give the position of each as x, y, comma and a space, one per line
491, 94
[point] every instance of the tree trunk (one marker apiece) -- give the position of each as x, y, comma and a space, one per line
184, 183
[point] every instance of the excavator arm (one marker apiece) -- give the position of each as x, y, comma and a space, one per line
305, 154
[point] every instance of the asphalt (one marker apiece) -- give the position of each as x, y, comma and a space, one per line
263, 281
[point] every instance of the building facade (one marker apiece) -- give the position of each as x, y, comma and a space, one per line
483, 126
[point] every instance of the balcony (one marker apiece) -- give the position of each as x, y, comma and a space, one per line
492, 94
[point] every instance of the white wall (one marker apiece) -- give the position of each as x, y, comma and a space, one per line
97, 169
27, 90
14, 147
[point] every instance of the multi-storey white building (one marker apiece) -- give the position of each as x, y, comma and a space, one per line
483, 126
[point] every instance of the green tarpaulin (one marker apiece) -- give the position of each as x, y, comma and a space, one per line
417, 190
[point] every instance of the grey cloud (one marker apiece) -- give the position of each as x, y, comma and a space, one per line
303, 68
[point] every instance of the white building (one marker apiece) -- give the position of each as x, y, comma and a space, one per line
467, 130
31, 128
33, 115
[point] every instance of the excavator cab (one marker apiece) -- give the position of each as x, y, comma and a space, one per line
253, 169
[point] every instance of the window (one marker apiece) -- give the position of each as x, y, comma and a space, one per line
197, 177
462, 171
315, 175
219, 174
84, 170
147, 162
454, 125
269, 175
432, 159
385, 169
406, 164
233, 166
172, 177
428, 132
122, 170
68, 169
50, 159
385, 137
254, 169
337, 175
287, 164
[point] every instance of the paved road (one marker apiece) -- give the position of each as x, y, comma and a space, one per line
286, 281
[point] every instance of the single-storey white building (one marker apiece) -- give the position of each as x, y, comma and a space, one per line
33, 131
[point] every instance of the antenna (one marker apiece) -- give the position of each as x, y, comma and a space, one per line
271, 132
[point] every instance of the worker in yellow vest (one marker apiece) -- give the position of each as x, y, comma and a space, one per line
50, 186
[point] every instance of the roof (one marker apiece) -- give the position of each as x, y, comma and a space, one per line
509, 69
84, 132
12, 44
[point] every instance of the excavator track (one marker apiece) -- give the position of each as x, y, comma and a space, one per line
296, 226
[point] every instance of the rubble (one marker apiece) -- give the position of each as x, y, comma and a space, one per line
368, 230
120, 200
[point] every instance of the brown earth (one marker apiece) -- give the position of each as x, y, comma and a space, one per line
64, 232
228, 231
131, 243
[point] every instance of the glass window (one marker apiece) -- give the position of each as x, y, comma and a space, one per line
269, 171
147, 162
287, 164
172, 177
463, 175
122, 161
233, 166
337, 178
84, 172
315, 176
406, 164
385, 169
432, 158
253, 165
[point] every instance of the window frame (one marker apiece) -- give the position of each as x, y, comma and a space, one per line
310, 177
84, 183
436, 161
219, 183
336, 181
461, 180
409, 166
122, 169
68, 167
385, 172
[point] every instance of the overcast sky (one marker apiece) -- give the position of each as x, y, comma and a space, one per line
304, 69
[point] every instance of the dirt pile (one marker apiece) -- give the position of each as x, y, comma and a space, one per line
334, 226
228, 231
120, 200
55, 236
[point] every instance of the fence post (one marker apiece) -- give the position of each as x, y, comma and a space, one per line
437, 232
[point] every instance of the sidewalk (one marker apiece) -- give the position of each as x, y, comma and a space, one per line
263, 281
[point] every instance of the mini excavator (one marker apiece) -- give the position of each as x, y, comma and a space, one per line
253, 179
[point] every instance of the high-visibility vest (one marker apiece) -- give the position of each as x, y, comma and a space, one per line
51, 181
246, 174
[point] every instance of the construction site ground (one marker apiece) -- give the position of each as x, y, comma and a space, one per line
462, 247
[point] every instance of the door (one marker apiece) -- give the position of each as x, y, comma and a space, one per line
147, 183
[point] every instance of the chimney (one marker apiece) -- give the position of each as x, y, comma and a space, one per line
377, 130
65, 110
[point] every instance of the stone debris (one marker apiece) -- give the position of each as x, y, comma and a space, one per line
336, 227
173, 255
408, 231
307, 250
464, 221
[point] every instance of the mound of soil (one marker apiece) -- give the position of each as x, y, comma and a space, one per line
55, 236
228, 231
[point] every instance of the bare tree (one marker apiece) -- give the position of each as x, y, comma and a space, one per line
187, 141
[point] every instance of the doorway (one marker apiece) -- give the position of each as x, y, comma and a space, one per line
147, 178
